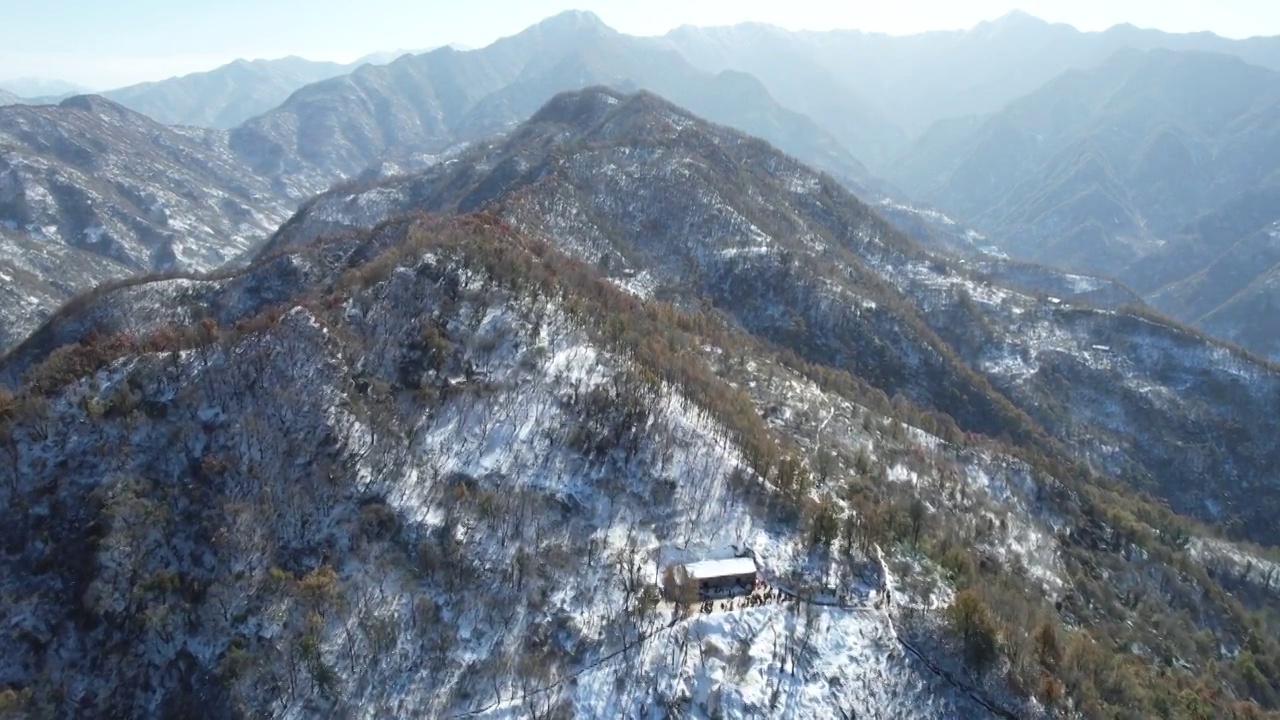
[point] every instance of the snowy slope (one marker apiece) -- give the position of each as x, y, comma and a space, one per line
643, 189
89, 173
91, 191
354, 522
416, 472
435, 467
36, 277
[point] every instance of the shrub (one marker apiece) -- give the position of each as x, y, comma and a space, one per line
970, 619
319, 583
378, 521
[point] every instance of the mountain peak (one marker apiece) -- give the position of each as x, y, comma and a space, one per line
1012, 20
579, 108
34, 87
573, 21
1019, 16
96, 103
570, 26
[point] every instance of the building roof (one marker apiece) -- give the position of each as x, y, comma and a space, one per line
731, 567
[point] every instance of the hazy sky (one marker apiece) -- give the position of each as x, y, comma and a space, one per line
106, 43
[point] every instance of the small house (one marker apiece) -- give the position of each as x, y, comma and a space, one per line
716, 578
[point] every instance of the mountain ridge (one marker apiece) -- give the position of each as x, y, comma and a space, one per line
426, 104
717, 241
418, 375
588, 448
225, 96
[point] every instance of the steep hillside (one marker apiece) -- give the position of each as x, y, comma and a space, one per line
8, 98
1032, 279
1249, 317
452, 477
434, 469
1217, 271
90, 190
427, 104
643, 188
37, 277
678, 209
226, 96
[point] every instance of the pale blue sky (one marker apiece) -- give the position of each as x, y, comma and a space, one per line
106, 43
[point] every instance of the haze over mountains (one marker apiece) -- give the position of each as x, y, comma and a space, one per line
918, 80
226, 96
392, 393
31, 87
408, 114
429, 104
1094, 151
1120, 170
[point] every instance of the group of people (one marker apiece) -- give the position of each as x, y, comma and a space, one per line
758, 597
764, 595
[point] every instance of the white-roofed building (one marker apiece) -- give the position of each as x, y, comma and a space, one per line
715, 577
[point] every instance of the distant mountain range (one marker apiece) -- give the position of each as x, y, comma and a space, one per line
917, 80
85, 174
427, 104
1130, 153
1091, 153
227, 96
220, 98
8, 98
1158, 168
31, 87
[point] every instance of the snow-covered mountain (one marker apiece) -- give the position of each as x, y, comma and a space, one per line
433, 481
431, 103
429, 450
672, 208
37, 277
226, 96
434, 469
90, 190
680, 209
